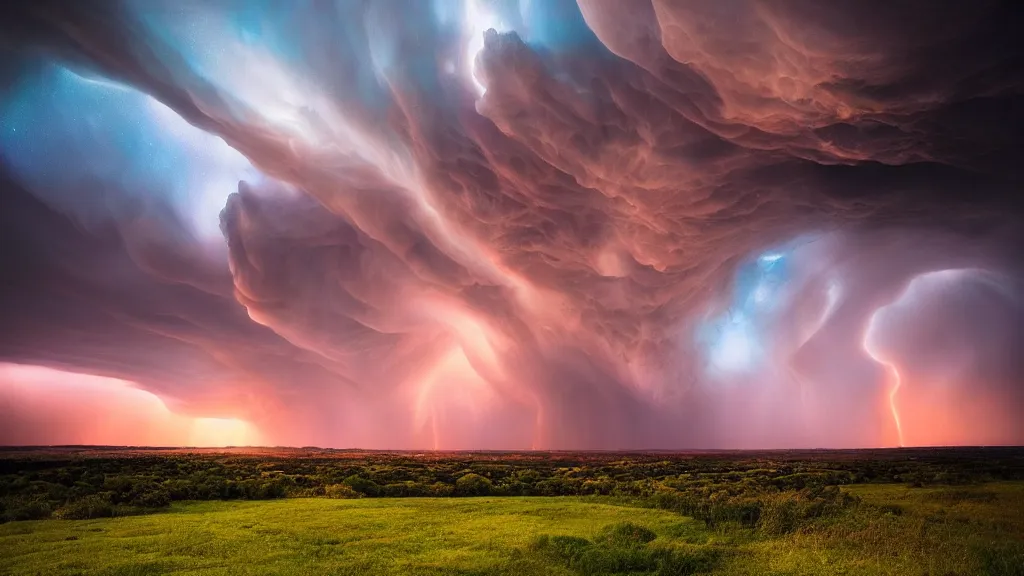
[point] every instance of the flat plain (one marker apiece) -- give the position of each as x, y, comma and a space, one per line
939, 513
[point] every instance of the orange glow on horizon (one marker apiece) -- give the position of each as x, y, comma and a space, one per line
73, 408
207, 432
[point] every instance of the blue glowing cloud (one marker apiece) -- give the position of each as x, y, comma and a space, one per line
75, 139
739, 339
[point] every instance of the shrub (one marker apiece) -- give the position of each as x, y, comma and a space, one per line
623, 548
473, 485
153, 498
440, 489
340, 491
254, 489
684, 563
778, 516
86, 509
512, 488
180, 490
363, 485
626, 534
891, 509
568, 548
36, 510
405, 489
634, 488
614, 560
603, 487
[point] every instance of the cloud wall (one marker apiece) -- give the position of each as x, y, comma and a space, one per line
405, 224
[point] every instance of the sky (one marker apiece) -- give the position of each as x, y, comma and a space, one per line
512, 224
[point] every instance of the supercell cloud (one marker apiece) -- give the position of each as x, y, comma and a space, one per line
468, 224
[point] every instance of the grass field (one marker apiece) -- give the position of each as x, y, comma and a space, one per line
938, 531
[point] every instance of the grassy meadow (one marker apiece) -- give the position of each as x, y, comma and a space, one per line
132, 512
889, 529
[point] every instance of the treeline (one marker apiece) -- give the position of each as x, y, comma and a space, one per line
716, 487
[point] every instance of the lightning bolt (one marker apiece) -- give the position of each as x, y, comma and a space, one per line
910, 290
892, 397
895, 376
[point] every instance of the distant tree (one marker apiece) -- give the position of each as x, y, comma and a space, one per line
363, 485
473, 484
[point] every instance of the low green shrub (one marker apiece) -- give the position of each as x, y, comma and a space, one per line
340, 491
364, 486
568, 548
473, 485
86, 508
891, 509
624, 548
404, 490
34, 510
779, 516
625, 534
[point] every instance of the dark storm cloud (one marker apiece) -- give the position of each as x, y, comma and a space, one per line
571, 254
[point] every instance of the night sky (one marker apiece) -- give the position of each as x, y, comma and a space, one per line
473, 224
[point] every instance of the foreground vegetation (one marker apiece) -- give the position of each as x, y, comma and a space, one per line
948, 512
78, 483
883, 529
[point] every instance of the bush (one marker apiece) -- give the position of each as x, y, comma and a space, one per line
153, 498
891, 509
778, 516
680, 563
441, 489
568, 548
623, 548
180, 490
363, 485
626, 534
404, 490
603, 487
86, 509
613, 560
28, 511
261, 489
340, 491
473, 485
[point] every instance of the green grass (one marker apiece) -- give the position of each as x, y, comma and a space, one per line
315, 536
940, 531
895, 530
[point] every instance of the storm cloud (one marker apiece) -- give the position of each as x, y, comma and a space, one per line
543, 224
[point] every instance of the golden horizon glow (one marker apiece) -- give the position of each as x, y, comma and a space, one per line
81, 408
222, 432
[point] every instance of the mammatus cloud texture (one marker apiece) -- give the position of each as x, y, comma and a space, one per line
534, 224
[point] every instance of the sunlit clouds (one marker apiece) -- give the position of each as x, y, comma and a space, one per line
63, 408
511, 224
